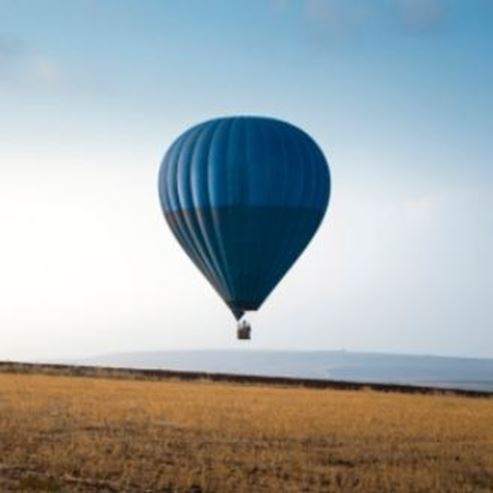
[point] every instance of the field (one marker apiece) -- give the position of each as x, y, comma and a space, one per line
64, 434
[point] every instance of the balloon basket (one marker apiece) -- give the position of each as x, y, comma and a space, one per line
244, 331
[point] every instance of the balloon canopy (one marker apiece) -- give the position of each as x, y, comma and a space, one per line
244, 196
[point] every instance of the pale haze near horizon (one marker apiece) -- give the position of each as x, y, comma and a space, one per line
398, 95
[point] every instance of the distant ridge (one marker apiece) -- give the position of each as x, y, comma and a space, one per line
156, 374
428, 371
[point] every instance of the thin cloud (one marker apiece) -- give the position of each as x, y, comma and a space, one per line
421, 15
280, 5
47, 71
11, 57
340, 18
345, 19
9, 47
20, 66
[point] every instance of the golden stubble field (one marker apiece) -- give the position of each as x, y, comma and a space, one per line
63, 434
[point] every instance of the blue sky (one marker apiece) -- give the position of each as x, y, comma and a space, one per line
398, 93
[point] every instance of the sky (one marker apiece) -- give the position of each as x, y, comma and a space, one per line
397, 93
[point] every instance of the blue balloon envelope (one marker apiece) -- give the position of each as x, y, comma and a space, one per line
244, 196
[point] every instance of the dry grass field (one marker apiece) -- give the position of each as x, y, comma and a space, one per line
64, 434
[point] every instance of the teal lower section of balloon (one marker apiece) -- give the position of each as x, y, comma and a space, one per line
244, 251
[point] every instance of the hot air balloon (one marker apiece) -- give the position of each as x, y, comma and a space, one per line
244, 196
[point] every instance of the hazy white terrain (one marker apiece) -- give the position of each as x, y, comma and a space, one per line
470, 373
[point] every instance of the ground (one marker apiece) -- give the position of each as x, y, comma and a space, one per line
80, 434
